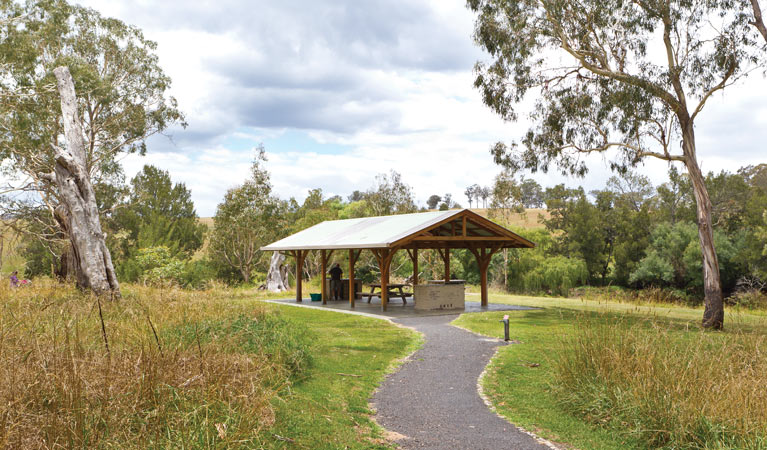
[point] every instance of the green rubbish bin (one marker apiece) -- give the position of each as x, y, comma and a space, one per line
316, 297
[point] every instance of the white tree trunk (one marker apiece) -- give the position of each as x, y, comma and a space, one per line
277, 277
79, 209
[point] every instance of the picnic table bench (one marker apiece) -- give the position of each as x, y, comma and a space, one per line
394, 291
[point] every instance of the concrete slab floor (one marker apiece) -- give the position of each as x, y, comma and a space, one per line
396, 309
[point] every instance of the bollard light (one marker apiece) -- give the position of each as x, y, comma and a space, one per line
505, 327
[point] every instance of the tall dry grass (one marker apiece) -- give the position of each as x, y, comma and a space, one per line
169, 369
670, 386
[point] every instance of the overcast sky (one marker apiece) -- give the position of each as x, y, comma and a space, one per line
339, 91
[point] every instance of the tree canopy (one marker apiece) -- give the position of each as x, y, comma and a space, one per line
121, 90
248, 218
609, 75
159, 213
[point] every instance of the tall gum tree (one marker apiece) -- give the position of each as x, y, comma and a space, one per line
120, 101
627, 78
758, 20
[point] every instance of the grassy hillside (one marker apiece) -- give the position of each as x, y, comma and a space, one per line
529, 219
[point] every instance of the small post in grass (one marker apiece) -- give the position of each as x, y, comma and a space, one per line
505, 327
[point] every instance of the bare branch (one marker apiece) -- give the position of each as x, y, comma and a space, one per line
722, 84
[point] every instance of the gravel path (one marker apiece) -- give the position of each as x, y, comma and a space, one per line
433, 400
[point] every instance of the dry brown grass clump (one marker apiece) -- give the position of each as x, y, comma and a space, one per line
671, 387
176, 369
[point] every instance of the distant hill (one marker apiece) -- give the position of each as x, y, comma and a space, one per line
528, 219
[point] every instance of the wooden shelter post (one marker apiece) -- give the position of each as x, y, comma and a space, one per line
324, 257
483, 257
353, 255
323, 271
483, 265
300, 255
384, 257
447, 265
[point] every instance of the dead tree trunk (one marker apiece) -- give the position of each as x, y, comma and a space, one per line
93, 262
276, 278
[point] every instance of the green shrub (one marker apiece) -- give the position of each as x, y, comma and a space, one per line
198, 274
534, 271
752, 299
158, 266
556, 275
129, 271
674, 259
366, 274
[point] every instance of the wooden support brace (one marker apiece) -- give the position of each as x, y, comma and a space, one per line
414, 258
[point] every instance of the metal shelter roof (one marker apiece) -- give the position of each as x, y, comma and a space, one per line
437, 229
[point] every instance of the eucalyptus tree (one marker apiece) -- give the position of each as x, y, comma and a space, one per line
532, 193
758, 21
469, 193
506, 197
249, 218
433, 201
627, 78
473, 193
117, 99
390, 195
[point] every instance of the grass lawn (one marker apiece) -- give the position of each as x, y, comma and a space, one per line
329, 409
520, 377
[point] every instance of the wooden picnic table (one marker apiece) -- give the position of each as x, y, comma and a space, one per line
391, 287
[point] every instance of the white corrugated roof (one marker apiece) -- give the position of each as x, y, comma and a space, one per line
365, 232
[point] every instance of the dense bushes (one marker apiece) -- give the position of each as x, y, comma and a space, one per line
555, 275
538, 271
667, 387
155, 266
674, 259
635, 235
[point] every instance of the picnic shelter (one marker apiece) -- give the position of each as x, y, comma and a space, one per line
383, 236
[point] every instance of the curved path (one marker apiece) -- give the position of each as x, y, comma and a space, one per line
433, 400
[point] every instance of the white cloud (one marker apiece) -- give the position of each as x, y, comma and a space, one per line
382, 85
